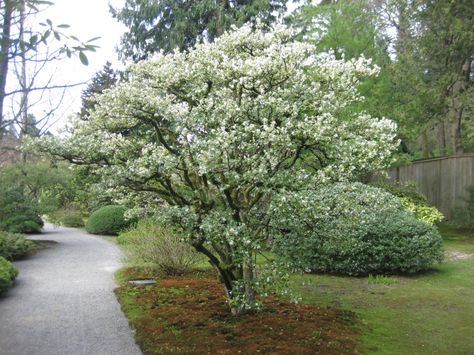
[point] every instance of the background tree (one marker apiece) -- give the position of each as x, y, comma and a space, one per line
424, 49
102, 80
206, 139
26, 47
169, 24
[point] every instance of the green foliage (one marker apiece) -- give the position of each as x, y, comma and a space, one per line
353, 229
107, 220
67, 217
8, 273
17, 211
412, 200
158, 246
424, 213
46, 186
14, 246
166, 25
102, 80
463, 215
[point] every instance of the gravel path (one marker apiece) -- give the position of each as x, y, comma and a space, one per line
63, 300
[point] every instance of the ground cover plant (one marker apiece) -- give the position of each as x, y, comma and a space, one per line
188, 315
14, 246
8, 274
205, 139
107, 220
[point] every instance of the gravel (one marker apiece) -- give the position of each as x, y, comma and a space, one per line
63, 300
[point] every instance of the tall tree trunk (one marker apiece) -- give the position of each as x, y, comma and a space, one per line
424, 144
5, 44
23, 81
458, 146
442, 136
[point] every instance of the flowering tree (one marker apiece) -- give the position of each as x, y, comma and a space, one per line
206, 138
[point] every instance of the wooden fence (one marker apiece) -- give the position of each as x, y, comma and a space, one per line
443, 180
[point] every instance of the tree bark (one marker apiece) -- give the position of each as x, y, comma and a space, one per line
5, 44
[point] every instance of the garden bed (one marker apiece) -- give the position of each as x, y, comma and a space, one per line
189, 315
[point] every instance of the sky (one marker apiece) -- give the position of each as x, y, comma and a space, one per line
88, 19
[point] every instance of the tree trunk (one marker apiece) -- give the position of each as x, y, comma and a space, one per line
23, 81
424, 144
5, 44
458, 146
229, 276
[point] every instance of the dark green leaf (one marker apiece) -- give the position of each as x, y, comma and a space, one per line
83, 58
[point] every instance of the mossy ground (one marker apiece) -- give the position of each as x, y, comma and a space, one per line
189, 315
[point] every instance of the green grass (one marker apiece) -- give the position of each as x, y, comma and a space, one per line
431, 313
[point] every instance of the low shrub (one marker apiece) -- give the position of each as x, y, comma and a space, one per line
159, 247
17, 212
108, 220
352, 229
8, 273
14, 246
67, 218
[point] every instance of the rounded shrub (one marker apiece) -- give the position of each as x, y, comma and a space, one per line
107, 220
14, 246
8, 273
352, 229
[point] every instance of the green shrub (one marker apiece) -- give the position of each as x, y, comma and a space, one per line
8, 273
67, 218
17, 212
14, 246
159, 247
352, 229
412, 200
108, 220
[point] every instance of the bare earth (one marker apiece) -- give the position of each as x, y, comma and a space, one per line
63, 300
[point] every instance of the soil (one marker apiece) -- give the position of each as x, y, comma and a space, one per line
189, 315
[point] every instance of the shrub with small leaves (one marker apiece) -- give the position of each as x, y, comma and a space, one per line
14, 246
108, 220
8, 273
352, 229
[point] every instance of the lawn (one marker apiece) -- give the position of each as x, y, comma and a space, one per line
431, 313
425, 314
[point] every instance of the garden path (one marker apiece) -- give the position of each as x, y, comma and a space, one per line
63, 300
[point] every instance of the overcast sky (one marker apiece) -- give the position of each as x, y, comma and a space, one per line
88, 19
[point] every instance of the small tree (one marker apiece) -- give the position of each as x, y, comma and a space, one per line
206, 138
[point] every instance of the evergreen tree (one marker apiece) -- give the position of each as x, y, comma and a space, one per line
167, 24
102, 80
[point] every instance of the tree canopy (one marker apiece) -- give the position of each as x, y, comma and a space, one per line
206, 138
169, 24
